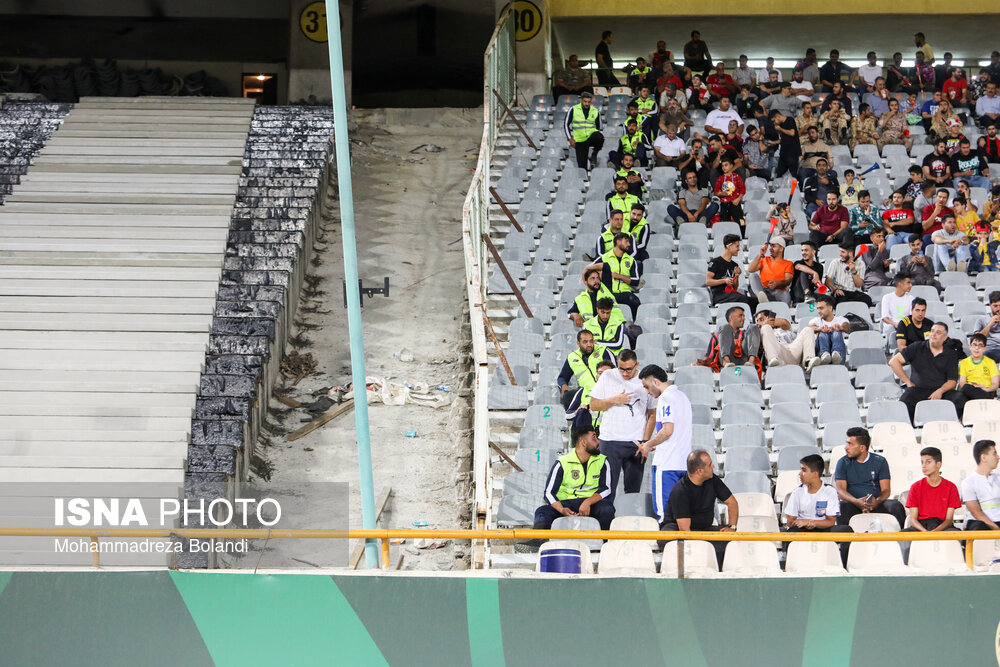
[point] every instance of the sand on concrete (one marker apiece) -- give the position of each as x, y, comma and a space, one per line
408, 204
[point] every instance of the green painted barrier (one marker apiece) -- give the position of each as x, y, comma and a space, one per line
206, 618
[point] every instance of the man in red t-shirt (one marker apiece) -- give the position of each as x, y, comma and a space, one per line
933, 500
829, 223
933, 214
897, 222
955, 89
721, 84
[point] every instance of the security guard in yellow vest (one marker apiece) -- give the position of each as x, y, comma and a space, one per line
621, 199
633, 178
583, 130
648, 112
585, 304
634, 143
608, 326
639, 74
637, 226
578, 484
606, 241
580, 367
620, 272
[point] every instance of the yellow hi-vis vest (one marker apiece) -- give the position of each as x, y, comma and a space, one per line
585, 372
631, 144
635, 231
584, 304
623, 204
622, 266
645, 105
606, 335
577, 481
582, 123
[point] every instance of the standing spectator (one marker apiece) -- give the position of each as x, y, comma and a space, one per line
743, 75
833, 72
780, 345
813, 150
993, 69
693, 203
605, 65
875, 260
721, 85
915, 327
981, 489
898, 222
671, 442
951, 247
862, 479
970, 166
978, 376
933, 369
894, 128
864, 128
691, 504
809, 67
989, 326
829, 330
696, 55
791, 149
629, 417
829, 223
669, 149
738, 347
717, 121
572, 80
919, 267
988, 106
764, 73
878, 98
932, 501
937, 165
585, 304
583, 129
844, 278
896, 305
814, 506
579, 484
924, 72
956, 89
869, 73
730, 190
864, 218
773, 274
925, 49
808, 281
580, 367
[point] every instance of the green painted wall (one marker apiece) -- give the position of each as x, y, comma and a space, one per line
205, 618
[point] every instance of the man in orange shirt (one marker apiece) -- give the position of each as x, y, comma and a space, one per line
772, 275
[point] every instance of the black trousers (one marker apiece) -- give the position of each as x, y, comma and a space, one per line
624, 462
602, 510
628, 299
735, 297
913, 395
559, 91
595, 141
852, 296
819, 238
720, 547
968, 393
787, 162
844, 546
893, 507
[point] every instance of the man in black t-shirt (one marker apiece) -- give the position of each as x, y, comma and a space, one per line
808, 274
937, 165
915, 327
969, 166
691, 505
933, 369
723, 278
791, 148
602, 57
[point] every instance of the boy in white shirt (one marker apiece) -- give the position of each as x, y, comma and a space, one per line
981, 489
814, 506
671, 443
896, 305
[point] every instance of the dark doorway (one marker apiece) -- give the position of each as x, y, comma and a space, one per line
262, 86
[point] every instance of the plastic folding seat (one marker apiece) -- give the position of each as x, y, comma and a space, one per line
653, 340
875, 557
790, 392
747, 482
689, 375
699, 394
790, 413
988, 280
527, 341
719, 312
524, 483
755, 504
545, 415
828, 374
930, 410
517, 510
785, 482
789, 457
897, 252
653, 325
862, 339
866, 355
834, 434
741, 413
743, 393
888, 434
866, 155
692, 251
895, 151
505, 397
721, 229
522, 375
785, 375
626, 558
943, 432
693, 340
838, 391
937, 556
856, 307
498, 283
882, 391
737, 375
758, 558
547, 394
780, 309
755, 523
694, 324
982, 410
634, 506
542, 282
869, 374
838, 412
542, 437
701, 414
956, 293
742, 435
747, 459
528, 325
688, 280
699, 559
703, 437
664, 178
538, 459
919, 151
965, 309
793, 435
814, 558
827, 253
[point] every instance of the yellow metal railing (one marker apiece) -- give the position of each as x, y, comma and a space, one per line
385, 535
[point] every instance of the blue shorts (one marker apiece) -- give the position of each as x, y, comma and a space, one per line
663, 482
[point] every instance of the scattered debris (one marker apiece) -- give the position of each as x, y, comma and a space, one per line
412, 433
297, 366
381, 390
404, 355
321, 420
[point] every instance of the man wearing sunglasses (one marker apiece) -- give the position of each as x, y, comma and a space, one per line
628, 419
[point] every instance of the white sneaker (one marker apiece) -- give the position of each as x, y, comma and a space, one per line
728, 364
962, 266
811, 363
824, 359
771, 363
762, 296
835, 358
951, 265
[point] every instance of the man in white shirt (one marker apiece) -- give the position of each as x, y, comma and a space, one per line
784, 346
896, 305
981, 489
814, 506
669, 148
764, 73
629, 417
671, 444
717, 121
868, 73
801, 87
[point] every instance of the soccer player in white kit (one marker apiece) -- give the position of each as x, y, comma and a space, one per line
671, 441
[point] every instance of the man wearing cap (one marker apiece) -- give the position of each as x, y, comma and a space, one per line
583, 130
771, 276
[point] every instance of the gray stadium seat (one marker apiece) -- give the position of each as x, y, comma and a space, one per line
699, 394
546, 415
882, 391
838, 412
790, 413
887, 411
860, 339
934, 411
542, 437
864, 356
789, 457
697, 310
703, 437
701, 414
856, 307
517, 510
693, 340
836, 391
743, 393
747, 459
742, 435
505, 397
789, 393
633, 504
522, 375
870, 374
524, 483
582, 523
835, 433
790, 435
741, 413
784, 375
737, 375
747, 482
698, 324
828, 374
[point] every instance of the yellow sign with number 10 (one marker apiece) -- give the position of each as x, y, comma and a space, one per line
312, 21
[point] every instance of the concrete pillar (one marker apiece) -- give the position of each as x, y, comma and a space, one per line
534, 45
308, 59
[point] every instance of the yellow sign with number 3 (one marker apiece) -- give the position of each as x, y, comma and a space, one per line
312, 21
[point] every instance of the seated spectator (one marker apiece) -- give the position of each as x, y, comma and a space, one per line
838, 94
768, 75
991, 209
933, 369
943, 71
578, 413
691, 504
956, 89
970, 166
738, 347
780, 345
633, 142
898, 223
697, 162
929, 109
672, 91
817, 185
696, 54
978, 376
579, 371
620, 271
869, 74
758, 159
676, 117
801, 86
781, 214
951, 247
849, 189
988, 106
747, 103
813, 507
809, 66
927, 197
743, 74
723, 277
948, 126
671, 441
694, 204
977, 87
572, 80
981, 489
834, 71
609, 327
897, 76
698, 95
720, 85
730, 190
918, 266
864, 218
915, 327
972, 204
911, 189
772, 273
606, 241
633, 179
669, 149
579, 484
672, 84
896, 305
784, 102
829, 330
733, 138
932, 501
893, 128
639, 74
834, 122
806, 120
878, 98
648, 111
585, 304
862, 480
621, 199
875, 259
807, 283
989, 146
829, 223
984, 250
965, 217
813, 150
638, 228
937, 165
